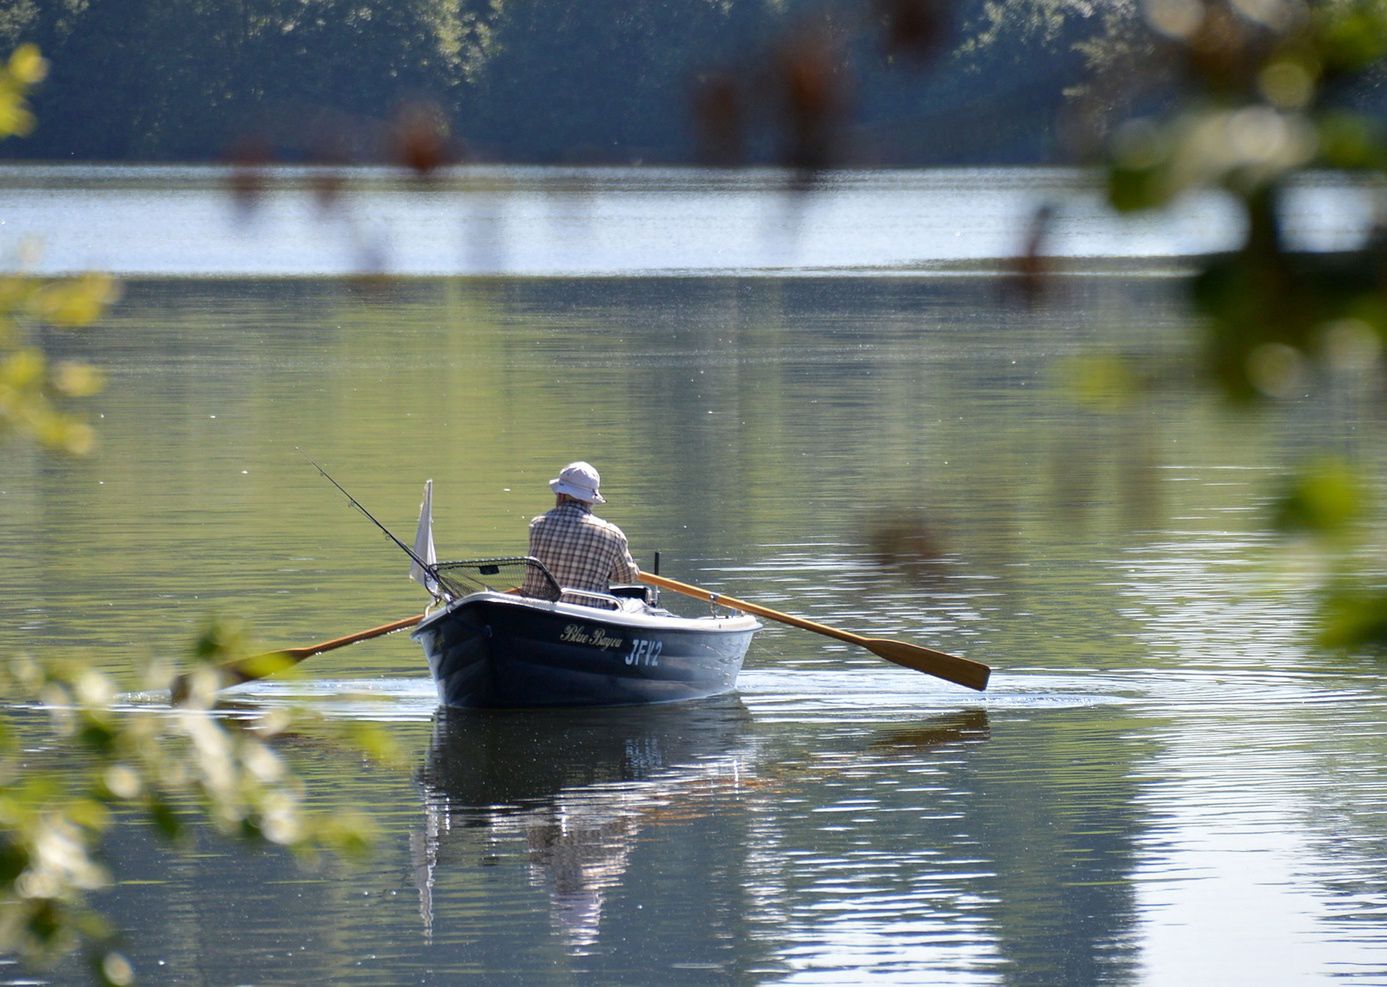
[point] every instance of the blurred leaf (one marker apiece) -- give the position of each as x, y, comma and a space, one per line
66, 433
26, 66
420, 138
249, 829
45, 922
1351, 141
1325, 499
720, 111
88, 813
15, 118
1353, 618
23, 369
1137, 172
220, 641
121, 781
14, 859
914, 27
1353, 34
77, 380
73, 303
1098, 380
96, 736
348, 833
377, 743
159, 812
113, 969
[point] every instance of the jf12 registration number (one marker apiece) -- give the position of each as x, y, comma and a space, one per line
644, 653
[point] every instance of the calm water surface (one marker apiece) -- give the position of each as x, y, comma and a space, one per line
1164, 784
547, 221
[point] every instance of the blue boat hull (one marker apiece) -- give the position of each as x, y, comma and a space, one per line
504, 651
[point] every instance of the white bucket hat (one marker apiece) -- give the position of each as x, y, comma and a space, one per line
578, 480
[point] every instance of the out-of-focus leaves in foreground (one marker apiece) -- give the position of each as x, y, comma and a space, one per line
25, 69
35, 390
170, 769
1266, 94
1328, 502
1324, 500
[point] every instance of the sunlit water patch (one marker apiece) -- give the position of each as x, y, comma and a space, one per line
385, 699
867, 694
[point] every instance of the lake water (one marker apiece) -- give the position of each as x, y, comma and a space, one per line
162, 221
825, 404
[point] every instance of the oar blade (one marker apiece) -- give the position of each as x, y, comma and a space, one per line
963, 671
234, 672
262, 666
259, 666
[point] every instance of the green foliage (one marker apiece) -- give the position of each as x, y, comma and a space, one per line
1265, 108
1269, 97
1102, 381
167, 769
1353, 616
33, 388
1325, 500
521, 80
25, 69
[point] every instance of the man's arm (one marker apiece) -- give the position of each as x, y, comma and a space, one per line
624, 568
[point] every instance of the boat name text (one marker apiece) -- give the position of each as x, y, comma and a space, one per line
593, 637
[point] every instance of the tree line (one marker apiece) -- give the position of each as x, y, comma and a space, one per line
553, 81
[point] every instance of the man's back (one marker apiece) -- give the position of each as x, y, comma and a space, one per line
581, 550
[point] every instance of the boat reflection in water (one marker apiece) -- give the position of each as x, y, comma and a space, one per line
577, 788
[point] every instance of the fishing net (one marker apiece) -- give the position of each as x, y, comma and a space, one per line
461, 578
510, 575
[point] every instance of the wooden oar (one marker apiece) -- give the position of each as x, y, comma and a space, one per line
259, 666
964, 671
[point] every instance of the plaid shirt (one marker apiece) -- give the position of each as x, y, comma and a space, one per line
581, 550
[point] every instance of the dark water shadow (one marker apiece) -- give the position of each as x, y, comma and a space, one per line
497, 760
966, 726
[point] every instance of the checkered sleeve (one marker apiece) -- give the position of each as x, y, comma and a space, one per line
624, 568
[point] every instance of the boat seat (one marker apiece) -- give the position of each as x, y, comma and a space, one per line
635, 591
632, 597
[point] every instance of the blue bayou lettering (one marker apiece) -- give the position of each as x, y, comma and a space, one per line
594, 637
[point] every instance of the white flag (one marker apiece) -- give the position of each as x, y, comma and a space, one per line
423, 542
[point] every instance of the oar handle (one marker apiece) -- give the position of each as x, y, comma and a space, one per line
698, 593
342, 642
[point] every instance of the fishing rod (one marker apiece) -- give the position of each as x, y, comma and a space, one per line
430, 569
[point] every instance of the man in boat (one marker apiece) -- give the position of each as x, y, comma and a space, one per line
582, 551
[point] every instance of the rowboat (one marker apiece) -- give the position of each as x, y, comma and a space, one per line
489, 646
556, 646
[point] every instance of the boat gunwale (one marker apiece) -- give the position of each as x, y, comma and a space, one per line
711, 624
